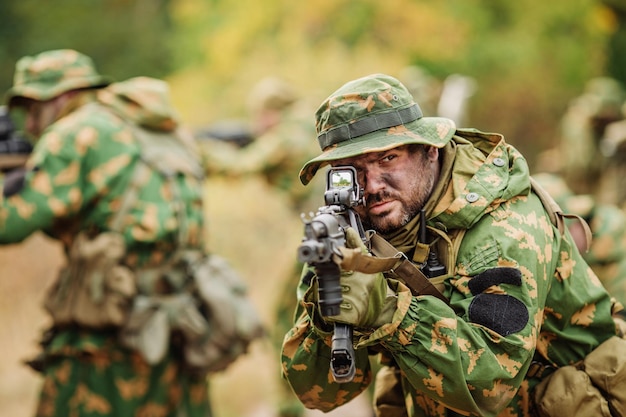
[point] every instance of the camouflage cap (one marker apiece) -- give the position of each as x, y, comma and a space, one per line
51, 73
271, 93
372, 114
603, 97
144, 100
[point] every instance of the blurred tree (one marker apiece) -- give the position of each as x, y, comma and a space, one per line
616, 22
125, 38
528, 61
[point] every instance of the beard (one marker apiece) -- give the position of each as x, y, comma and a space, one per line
419, 186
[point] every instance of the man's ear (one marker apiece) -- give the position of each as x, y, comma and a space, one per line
433, 153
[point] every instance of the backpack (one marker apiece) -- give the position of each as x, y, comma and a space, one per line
211, 308
209, 305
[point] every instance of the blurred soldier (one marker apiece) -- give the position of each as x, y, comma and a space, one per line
607, 252
449, 99
454, 101
282, 131
582, 128
423, 86
613, 147
114, 179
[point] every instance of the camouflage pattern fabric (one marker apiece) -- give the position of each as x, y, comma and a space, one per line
83, 380
381, 104
613, 147
52, 73
277, 152
582, 128
76, 181
519, 291
607, 253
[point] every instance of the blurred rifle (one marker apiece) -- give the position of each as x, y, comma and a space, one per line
324, 236
14, 150
230, 131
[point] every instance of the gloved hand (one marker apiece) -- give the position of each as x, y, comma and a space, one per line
368, 302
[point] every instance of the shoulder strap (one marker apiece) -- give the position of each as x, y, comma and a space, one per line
387, 258
405, 269
557, 217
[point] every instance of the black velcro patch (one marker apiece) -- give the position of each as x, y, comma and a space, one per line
495, 276
501, 313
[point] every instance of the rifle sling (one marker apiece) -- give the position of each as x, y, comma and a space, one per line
415, 279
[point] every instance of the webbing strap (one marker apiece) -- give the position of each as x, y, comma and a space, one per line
411, 274
388, 259
556, 213
369, 124
586, 228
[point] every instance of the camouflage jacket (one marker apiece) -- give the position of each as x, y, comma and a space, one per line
276, 155
519, 291
607, 253
82, 168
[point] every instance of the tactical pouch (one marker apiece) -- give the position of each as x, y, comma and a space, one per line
388, 393
569, 392
606, 366
213, 315
94, 290
233, 322
596, 387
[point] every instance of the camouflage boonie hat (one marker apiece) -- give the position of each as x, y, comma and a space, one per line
271, 93
372, 114
51, 73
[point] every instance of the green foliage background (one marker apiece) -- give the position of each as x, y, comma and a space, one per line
529, 57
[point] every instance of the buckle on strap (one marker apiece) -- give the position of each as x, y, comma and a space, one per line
401, 259
539, 370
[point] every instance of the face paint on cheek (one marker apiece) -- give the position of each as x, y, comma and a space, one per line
389, 180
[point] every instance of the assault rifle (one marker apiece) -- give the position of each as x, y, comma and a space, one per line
324, 235
14, 150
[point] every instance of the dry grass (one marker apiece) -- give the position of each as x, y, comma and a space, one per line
25, 272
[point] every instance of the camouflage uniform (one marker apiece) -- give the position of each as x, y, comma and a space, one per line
519, 290
613, 147
582, 128
607, 251
76, 182
281, 128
